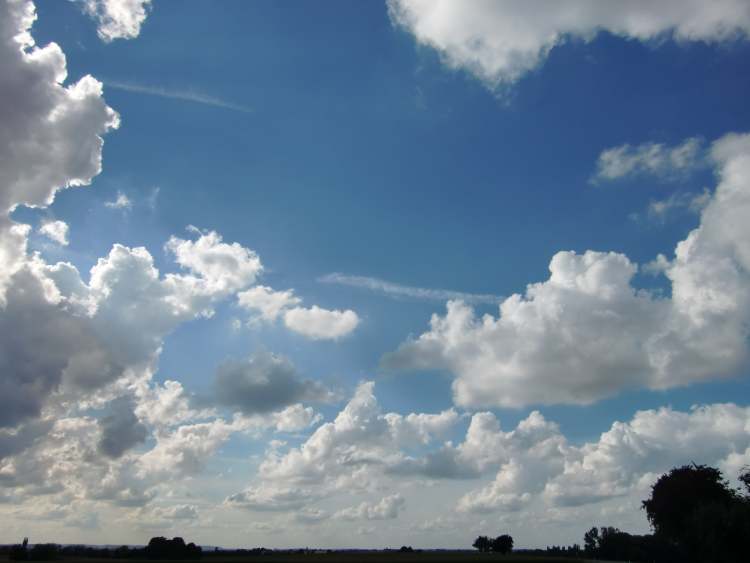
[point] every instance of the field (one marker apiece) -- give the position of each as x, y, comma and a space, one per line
356, 557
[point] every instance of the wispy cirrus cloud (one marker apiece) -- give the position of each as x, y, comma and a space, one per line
396, 290
664, 162
185, 95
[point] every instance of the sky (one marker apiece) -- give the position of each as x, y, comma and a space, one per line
368, 274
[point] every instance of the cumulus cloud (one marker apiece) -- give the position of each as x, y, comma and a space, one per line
626, 460
343, 455
220, 267
321, 324
633, 454
121, 429
186, 450
499, 42
295, 418
51, 135
522, 470
264, 383
587, 333
268, 304
164, 405
56, 231
162, 517
386, 508
270, 498
360, 435
122, 201
67, 461
117, 19
107, 330
21, 437
315, 322
79, 351
655, 159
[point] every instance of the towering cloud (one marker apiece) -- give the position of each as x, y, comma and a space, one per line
587, 332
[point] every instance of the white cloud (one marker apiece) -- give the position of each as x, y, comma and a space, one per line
268, 303
587, 333
56, 231
310, 515
321, 324
690, 201
164, 405
352, 454
186, 450
339, 452
499, 42
51, 134
295, 418
529, 471
386, 508
315, 322
122, 201
221, 268
118, 19
624, 462
397, 291
270, 498
77, 404
655, 159
71, 337
651, 443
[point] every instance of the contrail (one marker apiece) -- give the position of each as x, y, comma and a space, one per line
188, 95
396, 290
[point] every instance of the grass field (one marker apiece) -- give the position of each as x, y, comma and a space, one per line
356, 556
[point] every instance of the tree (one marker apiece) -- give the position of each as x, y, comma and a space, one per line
162, 548
676, 495
502, 544
482, 543
695, 510
745, 478
591, 541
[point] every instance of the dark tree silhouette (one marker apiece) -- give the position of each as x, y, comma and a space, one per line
162, 548
694, 508
43, 552
502, 544
19, 552
482, 543
591, 541
676, 495
745, 478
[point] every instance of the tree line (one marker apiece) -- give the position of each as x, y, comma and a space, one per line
696, 517
157, 548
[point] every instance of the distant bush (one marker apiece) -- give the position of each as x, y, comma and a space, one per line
18, 553
162, 548
44, 552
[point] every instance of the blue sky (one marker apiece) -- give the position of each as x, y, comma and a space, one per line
382, 141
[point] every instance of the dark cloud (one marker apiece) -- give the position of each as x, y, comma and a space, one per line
263, 383
121, 430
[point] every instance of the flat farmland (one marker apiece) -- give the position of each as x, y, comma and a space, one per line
352, 557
